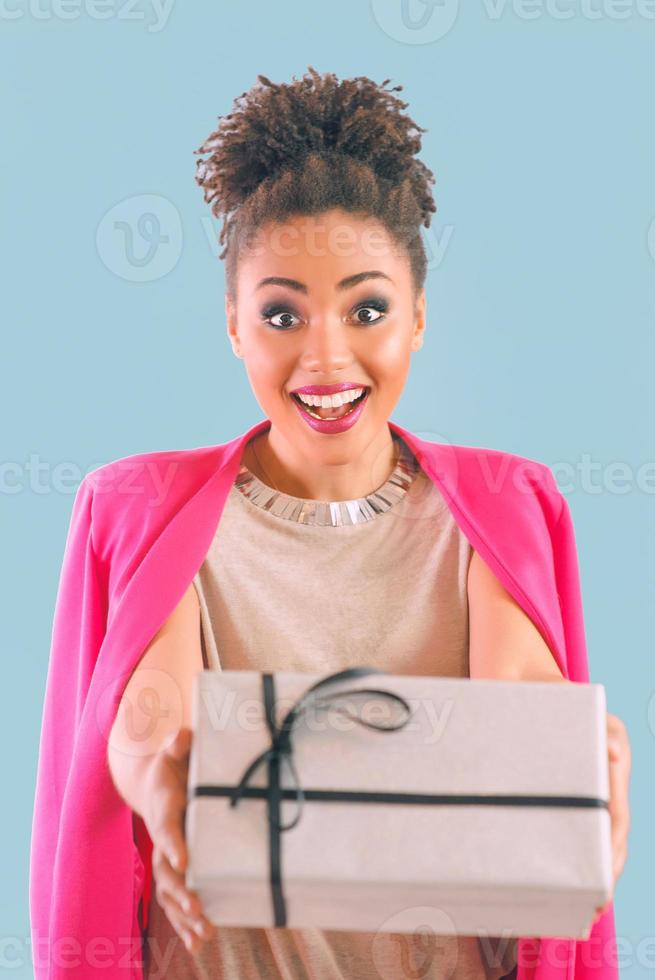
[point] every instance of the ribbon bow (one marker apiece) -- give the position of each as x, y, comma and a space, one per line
281, 745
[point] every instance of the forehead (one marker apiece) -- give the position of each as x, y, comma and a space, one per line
329, 247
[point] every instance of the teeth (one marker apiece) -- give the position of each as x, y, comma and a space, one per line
331, 401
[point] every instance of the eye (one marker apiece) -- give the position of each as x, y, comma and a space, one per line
370, 307
270, 312
375, 303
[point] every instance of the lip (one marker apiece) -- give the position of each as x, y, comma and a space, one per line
330, 426
326, 389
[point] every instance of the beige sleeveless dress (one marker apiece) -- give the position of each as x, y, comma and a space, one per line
279, 592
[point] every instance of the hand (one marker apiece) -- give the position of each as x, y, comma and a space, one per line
620, 762
164, 820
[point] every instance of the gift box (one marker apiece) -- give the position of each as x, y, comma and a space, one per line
369, 801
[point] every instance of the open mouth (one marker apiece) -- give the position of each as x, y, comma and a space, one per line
331, 413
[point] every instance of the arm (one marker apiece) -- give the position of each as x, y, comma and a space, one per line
156, 702
148, 757
505, 644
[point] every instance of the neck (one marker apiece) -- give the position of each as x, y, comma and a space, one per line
281, 465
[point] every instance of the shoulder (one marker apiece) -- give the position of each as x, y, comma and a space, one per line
501, 468
151, 468
481, 478
135, 496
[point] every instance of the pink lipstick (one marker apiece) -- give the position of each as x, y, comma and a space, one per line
330, 426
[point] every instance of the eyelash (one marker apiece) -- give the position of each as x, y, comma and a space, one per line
374, 302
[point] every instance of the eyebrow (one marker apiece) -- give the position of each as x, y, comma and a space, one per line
346, 283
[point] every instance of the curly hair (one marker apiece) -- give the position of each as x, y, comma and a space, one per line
311, 145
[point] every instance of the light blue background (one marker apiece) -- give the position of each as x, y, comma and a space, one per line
540, 296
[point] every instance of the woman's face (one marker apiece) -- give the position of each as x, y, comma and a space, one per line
324, 300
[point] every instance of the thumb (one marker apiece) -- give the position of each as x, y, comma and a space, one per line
173, 829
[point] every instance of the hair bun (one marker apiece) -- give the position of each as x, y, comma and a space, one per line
272, 128
314, 144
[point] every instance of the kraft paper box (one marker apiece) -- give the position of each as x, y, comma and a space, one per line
481, 809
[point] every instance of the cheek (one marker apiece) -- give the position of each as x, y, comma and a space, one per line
389, 360
268, 365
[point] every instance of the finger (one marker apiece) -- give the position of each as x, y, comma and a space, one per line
618, 741
616, 725
182, 903
167, 824
187, 934
199, 932
619, 808
193, 940
175, 808
170, 838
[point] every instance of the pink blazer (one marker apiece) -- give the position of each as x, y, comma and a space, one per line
140, 529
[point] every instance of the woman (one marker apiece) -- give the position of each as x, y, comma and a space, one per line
322, 538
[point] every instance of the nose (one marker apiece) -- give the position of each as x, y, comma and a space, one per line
326, 347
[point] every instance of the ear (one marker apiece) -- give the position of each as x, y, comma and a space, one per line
231, 320
418, 333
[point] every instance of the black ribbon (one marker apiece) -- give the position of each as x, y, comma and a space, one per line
281, 748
